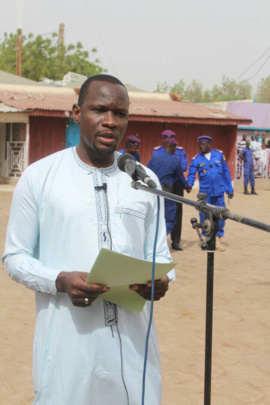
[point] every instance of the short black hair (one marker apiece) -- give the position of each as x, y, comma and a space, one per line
96, 78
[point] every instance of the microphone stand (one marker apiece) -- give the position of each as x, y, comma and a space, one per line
212, 215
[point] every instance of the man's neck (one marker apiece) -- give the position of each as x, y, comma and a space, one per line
93, 158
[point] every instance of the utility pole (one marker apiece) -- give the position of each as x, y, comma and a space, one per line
19, 39
60, 36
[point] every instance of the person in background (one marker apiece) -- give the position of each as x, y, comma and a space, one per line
132, 147
214, 179
263, 160
179, 154
246, 156
169, 171
256, 149
242, 143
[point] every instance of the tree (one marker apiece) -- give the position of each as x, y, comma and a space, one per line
178, 88
195, 92
231, 90
162, 88
263, 91
41, 58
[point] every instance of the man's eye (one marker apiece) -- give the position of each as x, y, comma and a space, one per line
121, 114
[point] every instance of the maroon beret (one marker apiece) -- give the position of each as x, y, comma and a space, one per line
133, 139
168, 133
172, 141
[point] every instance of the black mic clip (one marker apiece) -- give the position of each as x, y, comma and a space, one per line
103, 187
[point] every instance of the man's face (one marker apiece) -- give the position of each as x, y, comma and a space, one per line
244, 137
132, 148
103, 118
172, 149
205, 147
248, 144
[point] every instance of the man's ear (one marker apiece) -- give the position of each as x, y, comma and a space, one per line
76, 113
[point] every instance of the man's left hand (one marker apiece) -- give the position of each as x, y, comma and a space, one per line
144, 290
230, 196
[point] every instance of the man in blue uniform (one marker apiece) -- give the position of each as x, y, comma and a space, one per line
169, 171
214, 179
179, 154
132, 146
246, 156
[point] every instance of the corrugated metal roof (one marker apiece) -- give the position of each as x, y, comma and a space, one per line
9, 78
153, 107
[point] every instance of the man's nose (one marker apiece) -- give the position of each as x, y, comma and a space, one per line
109, 119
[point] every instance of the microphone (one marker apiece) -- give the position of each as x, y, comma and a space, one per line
127, 163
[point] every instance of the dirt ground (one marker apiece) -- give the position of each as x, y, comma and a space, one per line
241, 328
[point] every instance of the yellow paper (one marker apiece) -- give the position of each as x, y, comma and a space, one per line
119, 271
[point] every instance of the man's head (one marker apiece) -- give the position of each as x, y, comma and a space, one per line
167, 134
97, 78
256, 137
252, 137
248, 144
132, 144
102, 113
244, 137
170, 145
264, 145
205, 143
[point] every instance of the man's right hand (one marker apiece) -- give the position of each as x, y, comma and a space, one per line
81, 293
189, 188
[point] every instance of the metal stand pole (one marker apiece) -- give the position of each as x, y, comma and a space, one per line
212, 215
209, 328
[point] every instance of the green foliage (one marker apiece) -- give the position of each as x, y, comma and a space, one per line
42, 58
263, 91
195, 92
162, 88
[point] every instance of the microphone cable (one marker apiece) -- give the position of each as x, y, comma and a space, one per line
152, 302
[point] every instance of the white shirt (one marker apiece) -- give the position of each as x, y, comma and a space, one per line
59, 222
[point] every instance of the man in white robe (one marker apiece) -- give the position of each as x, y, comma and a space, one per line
65, 208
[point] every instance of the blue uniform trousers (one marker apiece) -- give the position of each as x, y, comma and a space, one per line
170, 215
249, 174
218, 201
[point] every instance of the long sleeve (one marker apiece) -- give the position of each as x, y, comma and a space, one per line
23, 239
227, 177
180, 175
184, 161
192, 172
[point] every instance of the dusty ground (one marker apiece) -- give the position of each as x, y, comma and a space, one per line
241, 331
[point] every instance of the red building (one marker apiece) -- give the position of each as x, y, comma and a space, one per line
37, 121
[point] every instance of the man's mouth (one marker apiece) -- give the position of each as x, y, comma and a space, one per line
107, 137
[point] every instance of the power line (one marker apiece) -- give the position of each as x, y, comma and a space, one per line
258, 71
254, 63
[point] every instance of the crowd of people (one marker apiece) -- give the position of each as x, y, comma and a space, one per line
260, 149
